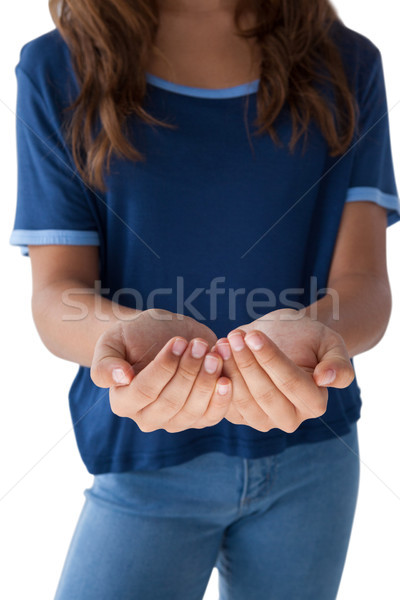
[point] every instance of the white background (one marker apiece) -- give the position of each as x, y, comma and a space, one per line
42, 477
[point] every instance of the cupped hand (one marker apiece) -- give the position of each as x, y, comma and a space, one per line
128, 346
280, 383
180, 388
309, 344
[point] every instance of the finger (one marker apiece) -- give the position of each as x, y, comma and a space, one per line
294, 383
234, 416
334, 367
265, 392
218, 405
109, 365
148, 384
242, 399
198, 401
174, 394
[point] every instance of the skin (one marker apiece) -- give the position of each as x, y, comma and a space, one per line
131, 340
274, 371
180, 388
273, 368
196, 45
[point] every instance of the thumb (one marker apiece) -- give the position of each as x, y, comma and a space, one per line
334, 369
110, 371
109, 366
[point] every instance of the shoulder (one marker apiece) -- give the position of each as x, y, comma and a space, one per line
46, 61
361, 58
355, 47
47, 51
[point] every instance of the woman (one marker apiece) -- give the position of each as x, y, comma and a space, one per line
203, 191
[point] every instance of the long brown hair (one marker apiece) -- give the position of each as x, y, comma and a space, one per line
110, 42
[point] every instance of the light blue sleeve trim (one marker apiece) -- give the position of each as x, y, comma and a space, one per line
23, 237
388, 201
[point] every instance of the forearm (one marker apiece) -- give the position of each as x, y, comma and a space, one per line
69, 323
358, 308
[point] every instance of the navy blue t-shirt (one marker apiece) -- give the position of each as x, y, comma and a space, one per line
215, 223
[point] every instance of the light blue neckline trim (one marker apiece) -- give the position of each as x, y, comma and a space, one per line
216, 93
389, 201
23, 237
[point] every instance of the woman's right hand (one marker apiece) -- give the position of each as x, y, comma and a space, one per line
179, 389
125, 348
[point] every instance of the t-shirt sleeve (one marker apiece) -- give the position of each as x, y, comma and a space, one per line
372, 177
52, 201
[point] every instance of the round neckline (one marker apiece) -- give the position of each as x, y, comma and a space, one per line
216, 93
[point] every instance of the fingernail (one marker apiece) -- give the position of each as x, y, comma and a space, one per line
254, 341
211, 363
223, 388
328, 377
119, 376
178, 347
236, 341
224, 350
199, 349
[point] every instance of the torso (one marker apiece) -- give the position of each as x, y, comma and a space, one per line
203, 51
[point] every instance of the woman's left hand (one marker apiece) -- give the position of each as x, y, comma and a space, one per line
279, 367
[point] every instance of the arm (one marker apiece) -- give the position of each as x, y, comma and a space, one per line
314, 338
76, 323
180, 388
68, 332
359, 278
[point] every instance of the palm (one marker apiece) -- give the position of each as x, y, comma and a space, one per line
299, 339
145, 336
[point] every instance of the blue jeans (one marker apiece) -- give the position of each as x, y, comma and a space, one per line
276, 527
